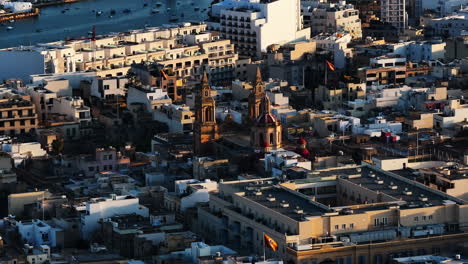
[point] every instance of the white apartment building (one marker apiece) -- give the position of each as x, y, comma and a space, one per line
153, 98
37, 233
112, 55
193, 192
331, 18
109, 88
380, 124
455, 112
253, 25
73, 108
337, 44
448, 26
178, 118
417, 51
101, 208
394, 12
277, 160
443, 8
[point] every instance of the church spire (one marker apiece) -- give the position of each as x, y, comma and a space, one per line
265, 105
205, 128
258, 84
205, 86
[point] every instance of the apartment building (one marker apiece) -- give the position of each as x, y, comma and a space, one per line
394, 13
154, 75
331, 18
73, 108
96, 209
456, 111
150, 97
418, 51
104, 159
337, 45
7, 175
253, 25
448, 26
372, 216
384, 70
181, 48
109, 88
178, 118
17, 116
333, 96
43, 100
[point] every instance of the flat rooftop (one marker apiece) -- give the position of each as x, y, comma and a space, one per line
414, 194
262, 193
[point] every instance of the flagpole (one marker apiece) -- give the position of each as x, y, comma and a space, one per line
264, 245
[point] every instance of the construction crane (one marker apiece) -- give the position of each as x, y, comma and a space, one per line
93, 40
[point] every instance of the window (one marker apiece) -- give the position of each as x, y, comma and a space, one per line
106, 87
110, 156
384, 220
416, 219
337, 227
351, 226
343, 226
430, 217
376, 222
362, 260
424, 218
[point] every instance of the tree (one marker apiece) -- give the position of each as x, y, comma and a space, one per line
57, 146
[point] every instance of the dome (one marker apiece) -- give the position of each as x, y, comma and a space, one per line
266, 118
305, 153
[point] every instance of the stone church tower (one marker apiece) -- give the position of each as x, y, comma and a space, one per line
205, 128
255, 97
266, 131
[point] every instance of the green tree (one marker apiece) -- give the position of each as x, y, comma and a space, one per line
57, 146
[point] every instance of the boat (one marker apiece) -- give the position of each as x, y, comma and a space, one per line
155, 11
145, 4
38, 30
126, 11
12, 21
9, 28
196, 8
112, 12
168, 9
63, 11
158, 4
98, 13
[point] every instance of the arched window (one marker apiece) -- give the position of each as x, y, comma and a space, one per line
208, 117
272, 141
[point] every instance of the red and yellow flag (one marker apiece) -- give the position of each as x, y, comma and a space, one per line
330, 65
270, 242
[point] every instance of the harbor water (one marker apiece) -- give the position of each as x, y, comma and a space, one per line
76, 20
